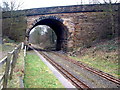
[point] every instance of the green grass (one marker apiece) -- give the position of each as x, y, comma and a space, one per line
18, 72
6, 47
100, 64
103, 56
37, 74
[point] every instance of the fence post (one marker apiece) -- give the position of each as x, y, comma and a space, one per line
18, 48
25, 51
22, 46
7, 70
13, 62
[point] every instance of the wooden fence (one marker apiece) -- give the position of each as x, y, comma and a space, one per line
8, 64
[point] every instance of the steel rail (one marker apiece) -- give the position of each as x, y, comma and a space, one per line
76, 82
98, 72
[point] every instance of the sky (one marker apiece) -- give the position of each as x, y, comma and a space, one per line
49, 3
27, 4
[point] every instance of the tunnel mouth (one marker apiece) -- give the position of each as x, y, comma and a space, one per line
60, 30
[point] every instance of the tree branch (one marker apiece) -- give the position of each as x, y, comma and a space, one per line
105, 1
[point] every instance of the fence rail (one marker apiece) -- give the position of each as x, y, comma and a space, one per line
8, 64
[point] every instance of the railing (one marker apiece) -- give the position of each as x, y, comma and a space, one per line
8, 64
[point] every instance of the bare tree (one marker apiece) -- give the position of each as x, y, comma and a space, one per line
81, 2
103, 1
111, 1
5, 6
9, 24
94, 2
11, 5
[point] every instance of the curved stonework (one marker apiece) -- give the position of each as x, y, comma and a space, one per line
59, 27
48, 17
43, 18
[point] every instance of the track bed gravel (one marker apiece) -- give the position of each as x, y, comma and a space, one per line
91, 79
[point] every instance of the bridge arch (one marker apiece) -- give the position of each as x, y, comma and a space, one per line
59, 28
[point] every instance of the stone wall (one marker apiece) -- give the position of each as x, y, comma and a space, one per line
85, 28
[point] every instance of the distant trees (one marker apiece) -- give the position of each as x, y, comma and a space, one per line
14, 26
111, 1
11, 5
103, 1
94, 2
43, 36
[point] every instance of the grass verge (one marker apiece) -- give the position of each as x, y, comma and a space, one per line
103, 57
5, 48
17, 72
37, 74
100, 64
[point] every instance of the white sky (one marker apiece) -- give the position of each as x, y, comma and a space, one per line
49, 3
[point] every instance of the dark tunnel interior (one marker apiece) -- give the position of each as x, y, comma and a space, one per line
59, 29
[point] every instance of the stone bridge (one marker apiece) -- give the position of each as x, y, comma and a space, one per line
73, 25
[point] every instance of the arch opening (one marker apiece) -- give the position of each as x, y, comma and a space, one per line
43, 38
60, 30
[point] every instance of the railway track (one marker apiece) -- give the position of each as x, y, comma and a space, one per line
98, 72
76, 82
